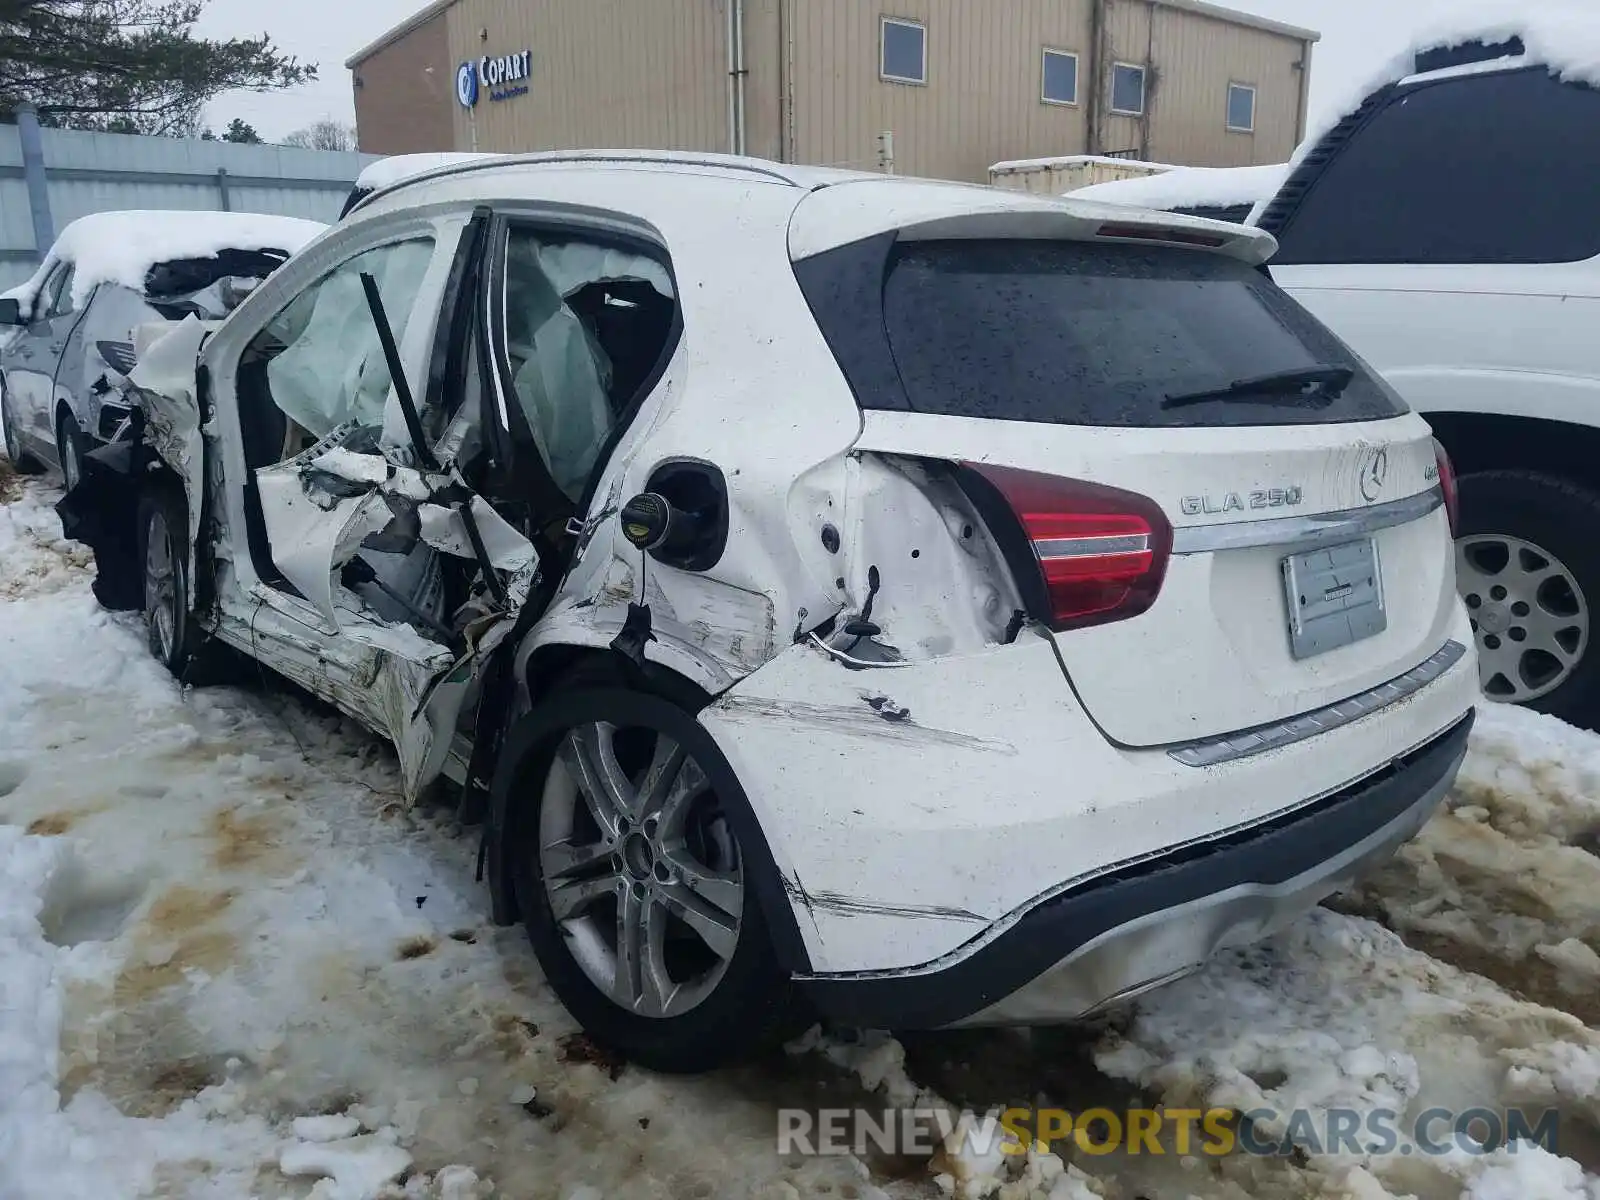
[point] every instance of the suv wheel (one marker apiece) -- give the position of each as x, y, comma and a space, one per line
69, 448
1529, 572
23, 462
632, 881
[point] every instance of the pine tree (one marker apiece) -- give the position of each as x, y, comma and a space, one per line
129, 65
240, 131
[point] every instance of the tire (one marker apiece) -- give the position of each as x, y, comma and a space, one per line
1528, 568
726, 997
164, 557
21, 461
70, 448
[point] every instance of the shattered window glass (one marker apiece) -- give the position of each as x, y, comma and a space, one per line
585, 323
319, 364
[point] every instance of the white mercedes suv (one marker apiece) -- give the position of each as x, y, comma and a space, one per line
912, 603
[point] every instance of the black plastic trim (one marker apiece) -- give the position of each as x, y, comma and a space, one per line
1006, 528
447, 363
1268, 853
843, 287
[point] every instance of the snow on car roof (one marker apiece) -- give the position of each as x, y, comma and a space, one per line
1073, 160
392, 170
1563, 35
121, 247
1190, 187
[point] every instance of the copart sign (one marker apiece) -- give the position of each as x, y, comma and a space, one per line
500, 77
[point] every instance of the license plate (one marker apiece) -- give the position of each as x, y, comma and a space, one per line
1335, 597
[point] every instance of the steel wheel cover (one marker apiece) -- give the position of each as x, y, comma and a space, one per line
1529, 614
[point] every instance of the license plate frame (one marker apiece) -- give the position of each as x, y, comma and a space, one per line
1334, 596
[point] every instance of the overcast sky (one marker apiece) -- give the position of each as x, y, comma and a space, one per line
1358, 36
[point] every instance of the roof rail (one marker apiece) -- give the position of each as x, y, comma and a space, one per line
727, 162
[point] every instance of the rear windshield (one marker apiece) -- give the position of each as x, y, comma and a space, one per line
1079, 334
181, 276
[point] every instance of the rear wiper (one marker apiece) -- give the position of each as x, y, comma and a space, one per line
1322, 383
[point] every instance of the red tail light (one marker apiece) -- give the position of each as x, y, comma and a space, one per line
1098, 553
1447, 485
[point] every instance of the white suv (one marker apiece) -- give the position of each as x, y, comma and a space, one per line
1449, 230
916, 603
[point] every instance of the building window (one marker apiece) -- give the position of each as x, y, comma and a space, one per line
1127, 89
1241, 108
904, 51
1059, 78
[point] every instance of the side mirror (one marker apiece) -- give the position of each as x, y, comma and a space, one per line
11, 311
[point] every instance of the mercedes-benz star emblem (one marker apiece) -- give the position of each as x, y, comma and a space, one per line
1374, 473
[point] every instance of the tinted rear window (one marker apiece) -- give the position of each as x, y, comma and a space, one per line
1079, 334
1501, 167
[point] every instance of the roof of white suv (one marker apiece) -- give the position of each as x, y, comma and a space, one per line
838, 206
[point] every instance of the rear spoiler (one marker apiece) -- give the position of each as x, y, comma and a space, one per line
921, 210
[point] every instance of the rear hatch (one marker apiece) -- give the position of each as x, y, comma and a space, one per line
1237, 521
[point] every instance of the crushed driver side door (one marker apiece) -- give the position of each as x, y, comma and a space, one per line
412, 578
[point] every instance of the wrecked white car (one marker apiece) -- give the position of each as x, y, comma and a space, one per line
906, 602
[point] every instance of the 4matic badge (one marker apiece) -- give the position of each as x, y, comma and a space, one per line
1285, 497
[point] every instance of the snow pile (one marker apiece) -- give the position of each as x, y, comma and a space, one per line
1339, 1014
1062, 161
398, 167
1507, 878
1191, 187
121, 247
1563, 35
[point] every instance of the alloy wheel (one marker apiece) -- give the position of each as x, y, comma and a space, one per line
160, 587
641, 871
1529, 614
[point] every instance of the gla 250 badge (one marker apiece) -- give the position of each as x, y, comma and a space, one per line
1287, 497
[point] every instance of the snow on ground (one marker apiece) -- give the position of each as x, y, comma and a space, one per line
1507, 879
216, 920
232, 965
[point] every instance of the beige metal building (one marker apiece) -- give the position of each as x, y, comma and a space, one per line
941, 88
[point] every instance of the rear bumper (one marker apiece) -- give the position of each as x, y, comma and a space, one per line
1134, 928
914, 813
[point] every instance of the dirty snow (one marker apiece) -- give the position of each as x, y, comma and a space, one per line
1190, 187
121, 247
233, 965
